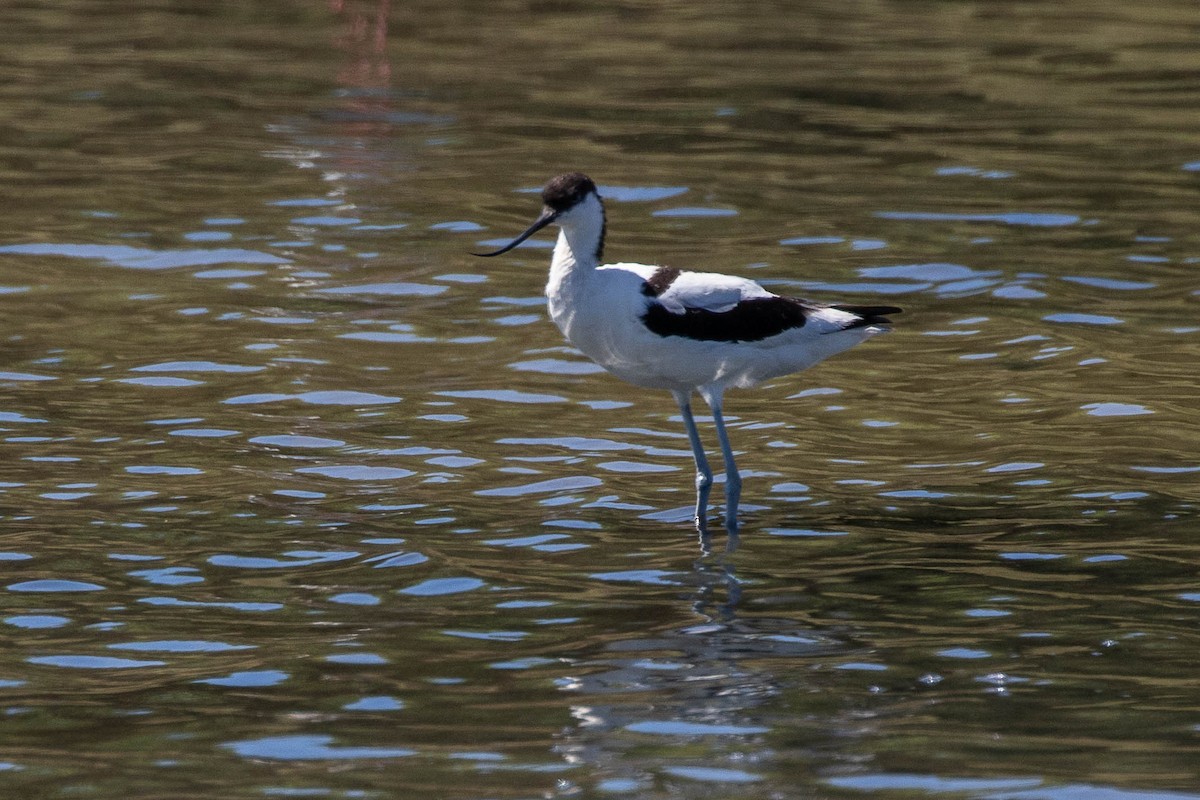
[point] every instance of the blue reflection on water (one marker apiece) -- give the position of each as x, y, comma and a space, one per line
181, 646
93, 662
652, 577
398, 289
359, 472
25, 376
998, 788
248, 679
401, 559
551, 486
232, 605
1078, 318
713, 774
440, 586
504, 396
296, 558
291, 440
145, 258
196, 366
355, 599
310, 747
492, 636
372, 659
168, 576
329, 397
54, 585
695, 211
1115, 409
1008, 218
163, 382
36, 621
163, 470
381, 703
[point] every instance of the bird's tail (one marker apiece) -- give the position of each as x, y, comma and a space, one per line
868, 315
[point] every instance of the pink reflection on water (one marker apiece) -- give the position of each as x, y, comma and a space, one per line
364, 35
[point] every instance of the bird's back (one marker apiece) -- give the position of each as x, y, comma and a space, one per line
675, 329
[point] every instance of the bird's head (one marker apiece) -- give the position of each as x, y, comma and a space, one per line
565, 199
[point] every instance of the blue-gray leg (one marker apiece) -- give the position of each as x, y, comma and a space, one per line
733, 479
704, 475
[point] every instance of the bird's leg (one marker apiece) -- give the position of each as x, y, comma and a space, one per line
704, 475
733, 479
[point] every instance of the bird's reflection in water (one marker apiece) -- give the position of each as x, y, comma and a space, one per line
690, 697
715, 577
732, 540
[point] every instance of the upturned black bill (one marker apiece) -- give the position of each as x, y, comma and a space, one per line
548, 216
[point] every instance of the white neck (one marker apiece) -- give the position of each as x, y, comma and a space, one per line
581, 240
576, 256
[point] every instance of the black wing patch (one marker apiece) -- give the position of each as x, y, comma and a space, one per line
660, 281
751, 320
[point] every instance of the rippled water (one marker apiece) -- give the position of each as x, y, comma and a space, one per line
299, 500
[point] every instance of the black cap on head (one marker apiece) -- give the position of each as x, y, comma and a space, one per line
560, 195
567, 190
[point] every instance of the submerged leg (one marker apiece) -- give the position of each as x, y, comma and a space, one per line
733, 479
703, 471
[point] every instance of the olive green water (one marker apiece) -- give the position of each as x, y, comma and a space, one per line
300, 500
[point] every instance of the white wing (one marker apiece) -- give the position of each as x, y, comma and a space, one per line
708, 291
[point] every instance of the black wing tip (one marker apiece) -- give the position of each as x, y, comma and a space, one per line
869, 315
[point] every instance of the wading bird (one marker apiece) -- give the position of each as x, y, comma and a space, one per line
685, 332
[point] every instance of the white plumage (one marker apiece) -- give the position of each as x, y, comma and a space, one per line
686, 332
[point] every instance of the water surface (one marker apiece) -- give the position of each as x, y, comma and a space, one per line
301, 500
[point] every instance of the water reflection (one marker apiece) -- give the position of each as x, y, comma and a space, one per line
696, 702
